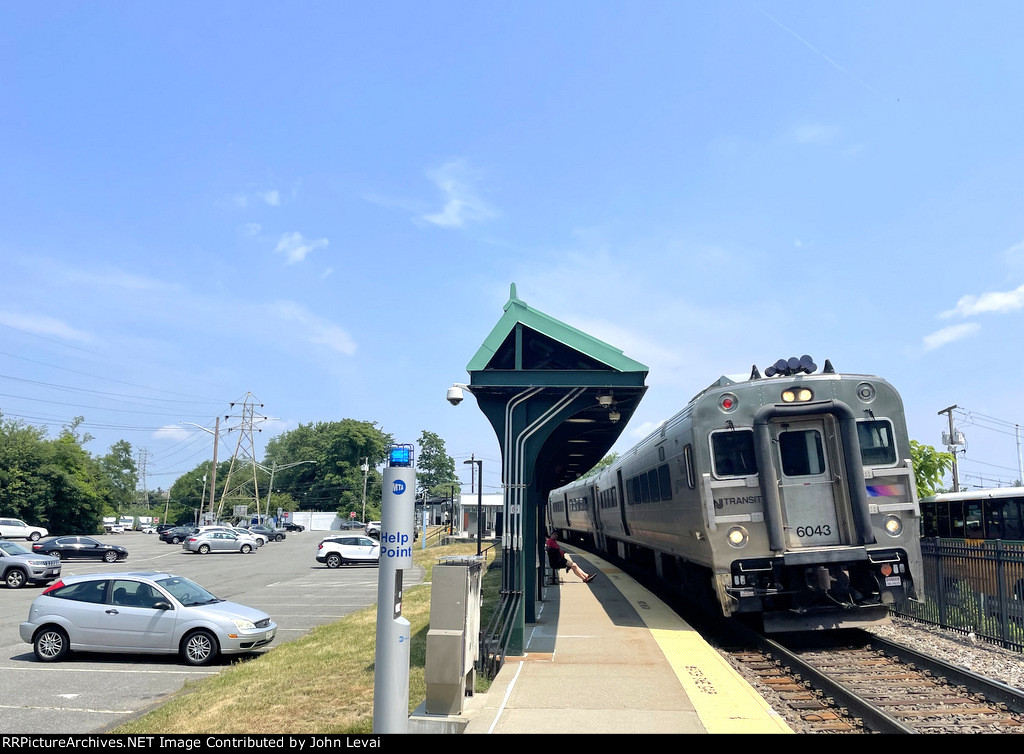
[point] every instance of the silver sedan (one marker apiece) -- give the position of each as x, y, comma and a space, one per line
218, 541
141, 613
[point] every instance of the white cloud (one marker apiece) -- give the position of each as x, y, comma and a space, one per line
814, 133
313, 328
252, 229
172, 432
461, 202
270, 196
296, 247
999, 302
949, 334
38, 324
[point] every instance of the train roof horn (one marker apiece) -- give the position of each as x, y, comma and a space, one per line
789, 367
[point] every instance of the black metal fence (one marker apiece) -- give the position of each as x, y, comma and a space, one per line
974, 588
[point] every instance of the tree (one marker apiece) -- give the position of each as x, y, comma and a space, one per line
930, 467
334, 479
604, 463
119, 476
435, 469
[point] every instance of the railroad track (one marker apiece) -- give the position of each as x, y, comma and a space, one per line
855, 682
867, 684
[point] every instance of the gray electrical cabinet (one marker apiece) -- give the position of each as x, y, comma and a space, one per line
454, 635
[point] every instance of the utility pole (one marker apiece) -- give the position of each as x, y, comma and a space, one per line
951, 446
213, 471
143, 457
365, 468
479, 499
1020, 463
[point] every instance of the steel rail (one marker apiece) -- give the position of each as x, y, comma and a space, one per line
991, 689
872, 717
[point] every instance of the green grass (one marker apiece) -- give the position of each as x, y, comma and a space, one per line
319, 684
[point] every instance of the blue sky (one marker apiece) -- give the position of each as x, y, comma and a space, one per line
323, 204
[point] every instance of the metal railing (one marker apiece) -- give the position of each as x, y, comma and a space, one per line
972, 587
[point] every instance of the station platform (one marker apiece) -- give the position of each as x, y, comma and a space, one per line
610, 657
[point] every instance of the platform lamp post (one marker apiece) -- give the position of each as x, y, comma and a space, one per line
213, 470
479, 501
270, 487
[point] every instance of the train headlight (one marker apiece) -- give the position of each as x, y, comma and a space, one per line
866, 392
737, 537
797, 395
893, 526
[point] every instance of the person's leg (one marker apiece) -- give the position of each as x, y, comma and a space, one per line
575, 568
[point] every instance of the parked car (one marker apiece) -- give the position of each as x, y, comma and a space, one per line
20, 566
294, 527
149, 530
15, 528
141, 613
175, 535
165, 527
261, 539
335, 552
219, 541
373, 529
272, 535
351, 524
113, 528
65, 548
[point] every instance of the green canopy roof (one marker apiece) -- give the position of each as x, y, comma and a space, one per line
549, 344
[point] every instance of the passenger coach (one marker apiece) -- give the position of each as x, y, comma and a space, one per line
790, 496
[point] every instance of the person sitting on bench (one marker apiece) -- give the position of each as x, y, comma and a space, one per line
559, 558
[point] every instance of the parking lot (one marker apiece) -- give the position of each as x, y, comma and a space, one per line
90, 693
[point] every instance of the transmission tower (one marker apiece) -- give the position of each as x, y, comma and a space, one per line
246, 489
143, 458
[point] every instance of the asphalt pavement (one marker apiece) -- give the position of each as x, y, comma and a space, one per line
92, 693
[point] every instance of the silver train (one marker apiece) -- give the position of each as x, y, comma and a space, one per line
789, 496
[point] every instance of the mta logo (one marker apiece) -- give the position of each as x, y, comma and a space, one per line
399, 487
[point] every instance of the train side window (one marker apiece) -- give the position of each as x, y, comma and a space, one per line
972, 521
802, 453
645, 492
733, 453
1013, 528
956, 518
665, 482
652, 483
942, 516
929, 520
688, 462
877, 447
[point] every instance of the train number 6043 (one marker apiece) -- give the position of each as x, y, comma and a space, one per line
813, 531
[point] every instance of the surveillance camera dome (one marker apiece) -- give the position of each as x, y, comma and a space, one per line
455, 395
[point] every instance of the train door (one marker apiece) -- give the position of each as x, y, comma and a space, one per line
622, 503
806, 483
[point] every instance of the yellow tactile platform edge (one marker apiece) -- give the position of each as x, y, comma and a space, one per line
724, 701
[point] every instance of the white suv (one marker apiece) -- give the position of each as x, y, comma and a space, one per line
335, 552
12, 528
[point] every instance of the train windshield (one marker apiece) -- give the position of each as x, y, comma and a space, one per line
876, 443
802, 453
734, 453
